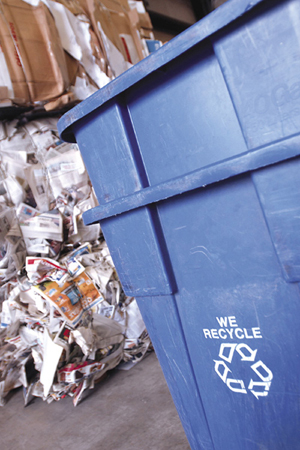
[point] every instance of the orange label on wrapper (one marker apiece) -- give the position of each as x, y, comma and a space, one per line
71, 299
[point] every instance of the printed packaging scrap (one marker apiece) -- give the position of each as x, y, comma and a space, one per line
65, 320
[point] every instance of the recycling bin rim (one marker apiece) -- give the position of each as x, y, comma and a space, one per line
207, 26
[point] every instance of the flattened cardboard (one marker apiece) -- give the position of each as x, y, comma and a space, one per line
33, 52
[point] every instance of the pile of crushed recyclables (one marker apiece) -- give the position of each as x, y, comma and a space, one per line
65, 320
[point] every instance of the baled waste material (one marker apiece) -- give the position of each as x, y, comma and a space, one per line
65, 319
56, 53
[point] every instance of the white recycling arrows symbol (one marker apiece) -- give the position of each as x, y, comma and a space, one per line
251, 353
257, 388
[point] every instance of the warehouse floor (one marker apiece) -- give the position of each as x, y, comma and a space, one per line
129, 410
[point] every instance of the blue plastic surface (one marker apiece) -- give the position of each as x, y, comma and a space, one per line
194, 157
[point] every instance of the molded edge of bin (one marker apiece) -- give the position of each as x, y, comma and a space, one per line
207, 26
250, 161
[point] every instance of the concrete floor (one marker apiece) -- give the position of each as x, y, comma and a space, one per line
129, 410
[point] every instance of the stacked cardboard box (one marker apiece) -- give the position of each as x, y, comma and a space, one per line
32, 51
55, 52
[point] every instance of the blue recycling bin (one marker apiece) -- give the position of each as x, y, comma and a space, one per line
194, 157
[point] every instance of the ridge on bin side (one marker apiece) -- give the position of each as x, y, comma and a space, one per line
215, 21
193, 180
